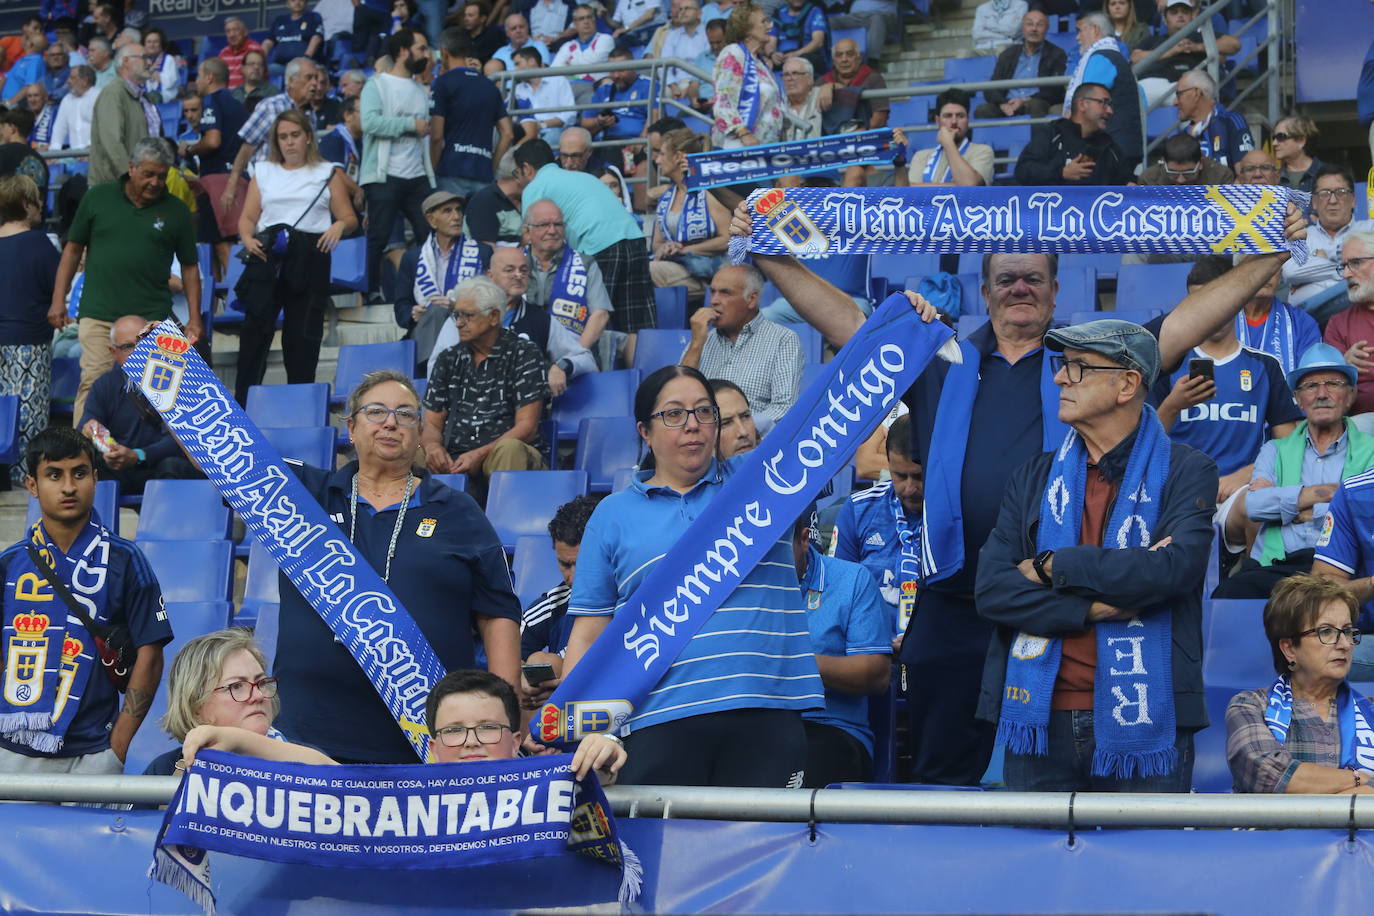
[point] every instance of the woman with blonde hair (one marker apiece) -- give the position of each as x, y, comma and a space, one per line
1299, 167
691, 228
295, 212
1129, 30
748, 105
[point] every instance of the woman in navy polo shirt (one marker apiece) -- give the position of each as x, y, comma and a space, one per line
433, 547
728, 712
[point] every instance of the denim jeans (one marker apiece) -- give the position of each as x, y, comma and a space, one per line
1068, 765
463, 187
386, 202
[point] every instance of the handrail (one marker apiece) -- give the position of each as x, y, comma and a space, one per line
1009, 809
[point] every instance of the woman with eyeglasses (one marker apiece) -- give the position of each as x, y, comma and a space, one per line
728, 711
1298, 167
435, 550
1308, 732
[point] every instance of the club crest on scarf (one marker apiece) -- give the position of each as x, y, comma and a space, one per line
791, 225
163, 370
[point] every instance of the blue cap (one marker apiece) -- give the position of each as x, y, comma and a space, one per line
1321, 357
1123, 342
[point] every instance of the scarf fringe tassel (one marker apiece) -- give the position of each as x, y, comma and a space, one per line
1143, 764
631, 874
169, 871
1020, 738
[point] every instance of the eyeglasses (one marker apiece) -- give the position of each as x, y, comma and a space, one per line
241, 691
1282, 137
1179, 93
676, 417
1181, 172
1104, 102
1334, 385
1073, 369
1257, 169
378, 413
124, 347
1350, 264
1328, 635
464, 317
457, 735
550, 224
1333, 193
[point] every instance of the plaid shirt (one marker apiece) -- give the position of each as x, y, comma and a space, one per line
481, 400
1258, 762
765, 361
255, 129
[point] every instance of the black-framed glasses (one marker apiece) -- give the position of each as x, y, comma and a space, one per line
378, 413
676, 417
242, 691
1073, 369
457, 735
1333, 193
460, 317
1104, 101
1333, 385
1351, 264
1328, 635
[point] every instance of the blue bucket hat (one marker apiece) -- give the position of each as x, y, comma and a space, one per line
1321, 357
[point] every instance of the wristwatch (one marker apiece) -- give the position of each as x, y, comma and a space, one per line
1038, 564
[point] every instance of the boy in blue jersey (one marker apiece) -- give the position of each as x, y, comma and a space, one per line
880, 528
59, 709
848, 624
1229, 417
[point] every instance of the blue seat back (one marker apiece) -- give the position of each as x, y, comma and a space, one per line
671, 303
898, 269
170, 115
622, 479
812, 343
969, 69
849, 272
659, 347
315, 445
357, 360
66, 376
1161, 121
1077, 290
1151, 286
458, 482
971, 296
606, 445
260, 586
106, 505
289, 405
191, 570
9, 429
913, 112
182, 510
523, 502
1106, 264
534, 569
599, 394
1237, 658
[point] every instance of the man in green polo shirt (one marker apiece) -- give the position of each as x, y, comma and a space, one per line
128, 230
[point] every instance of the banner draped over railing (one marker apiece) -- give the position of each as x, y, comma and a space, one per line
1186, 220
321, 563
750, 164
755, 507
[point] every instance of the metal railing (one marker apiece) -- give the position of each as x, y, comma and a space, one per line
1067, 811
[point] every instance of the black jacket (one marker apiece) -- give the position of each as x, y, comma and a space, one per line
1053, 62
1148, 580
1052, 145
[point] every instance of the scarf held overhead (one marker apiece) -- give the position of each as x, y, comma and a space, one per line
757, 504
419, 816
820, 222
319, 560
750, 164
1133, 701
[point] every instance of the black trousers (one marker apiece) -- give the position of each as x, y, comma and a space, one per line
1255, 581
297, 287
834, 755
739, 747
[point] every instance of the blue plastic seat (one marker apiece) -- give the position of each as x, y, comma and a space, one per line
260, 585
1007, 137
191, 570
357, 360
812, 343
1077, 290
535, 567
182, 510
659, 347
458, 482
169, 113
967, 324
66, 376
606, 445
912, 112
1106, 264
671, 304
897, 269
971, 296
1161, 121
289, 405
106, 505
1151, 286
849, 272
599, 394
523, 502
970, 69
9, 429
622, 479
1237, 658
315, 445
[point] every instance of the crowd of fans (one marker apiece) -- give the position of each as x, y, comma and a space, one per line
520, 258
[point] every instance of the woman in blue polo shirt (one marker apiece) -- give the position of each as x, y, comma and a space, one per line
728, 712
432, 546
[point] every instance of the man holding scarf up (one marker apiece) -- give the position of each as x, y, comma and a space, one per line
970, 429
59, 709
1093, 580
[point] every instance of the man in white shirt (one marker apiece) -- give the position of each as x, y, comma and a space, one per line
396, 173
549, 21
517, 37
1318, 286
587, 46
635, 20
72, 128
547, 92
686, 40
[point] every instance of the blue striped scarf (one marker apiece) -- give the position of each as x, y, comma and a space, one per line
1354, 715
694, 223
464, 261
932, 173
568, 292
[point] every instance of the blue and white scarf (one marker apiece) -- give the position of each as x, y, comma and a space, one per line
1133, 701
749, 95
759, 501
351, 147
43, 124
412, 817
1354, 717
320, 561
932, 173
908, 572
49, 655
568, 291
1174, 219
1276, 335
795, 157
1199, 131
943, 514
464, 261
694, 223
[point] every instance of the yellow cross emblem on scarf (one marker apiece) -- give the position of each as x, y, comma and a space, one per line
1248, 224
